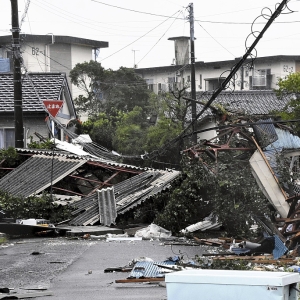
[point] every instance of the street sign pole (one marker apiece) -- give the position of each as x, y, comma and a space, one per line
52, 107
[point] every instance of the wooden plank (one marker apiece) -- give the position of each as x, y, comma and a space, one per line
26, 295
130, 280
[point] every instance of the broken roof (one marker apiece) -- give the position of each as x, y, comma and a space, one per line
34, 175
35, 88
21, 182
128, 194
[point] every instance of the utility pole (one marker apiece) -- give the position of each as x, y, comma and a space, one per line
193, 80
134, 66
18, 109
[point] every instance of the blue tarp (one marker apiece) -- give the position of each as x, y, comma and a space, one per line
4, 65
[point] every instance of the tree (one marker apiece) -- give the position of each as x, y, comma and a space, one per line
88, 77
126, 90
104, 90
290, 85
130, 132
102, 127
232, 195
172, 111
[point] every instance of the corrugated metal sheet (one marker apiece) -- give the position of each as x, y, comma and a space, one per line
90, 216
286, 140
34, 175
108, 162
155, 185
146, 269
107, 206
127, 194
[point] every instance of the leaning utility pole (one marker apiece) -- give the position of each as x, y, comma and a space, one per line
193, 83
18, 109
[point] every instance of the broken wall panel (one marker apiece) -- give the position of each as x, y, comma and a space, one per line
268, 184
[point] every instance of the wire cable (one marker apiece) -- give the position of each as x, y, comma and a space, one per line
158, 40
216, 40
137, 39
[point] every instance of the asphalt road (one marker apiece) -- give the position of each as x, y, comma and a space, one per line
74, 269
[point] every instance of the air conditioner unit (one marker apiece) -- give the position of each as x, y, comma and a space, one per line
259, 77
259, 80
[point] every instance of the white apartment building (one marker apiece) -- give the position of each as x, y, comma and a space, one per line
263, 75
51, 53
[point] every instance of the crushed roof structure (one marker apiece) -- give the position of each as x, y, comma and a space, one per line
127, 195
106, 187
72, 168
35, 88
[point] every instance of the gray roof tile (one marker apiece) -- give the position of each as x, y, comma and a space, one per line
42, 86
260, 102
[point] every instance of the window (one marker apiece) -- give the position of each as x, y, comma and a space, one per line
261, 79
150, 84
7, 137
212, 84
171, 83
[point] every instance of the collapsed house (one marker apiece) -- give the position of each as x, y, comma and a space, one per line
243, 124
103, 187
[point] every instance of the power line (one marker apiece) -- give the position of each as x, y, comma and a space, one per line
158, 40
215, 39
25, 13
137, 39
202, 21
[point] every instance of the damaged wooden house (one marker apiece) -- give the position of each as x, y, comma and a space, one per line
77, 168
88, 173
246, 122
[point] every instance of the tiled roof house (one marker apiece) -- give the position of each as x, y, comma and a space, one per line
36, 87
259, 103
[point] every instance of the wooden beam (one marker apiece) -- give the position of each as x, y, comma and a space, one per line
130, 280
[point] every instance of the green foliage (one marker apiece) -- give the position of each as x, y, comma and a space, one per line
231, 194
290, 85
130, 132
10, 156
88, 77
33, 207
187, 203
107, 90
162, 132
102, 127
3, 240
126, 90
40, 145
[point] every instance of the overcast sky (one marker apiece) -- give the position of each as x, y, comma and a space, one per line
138, 30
